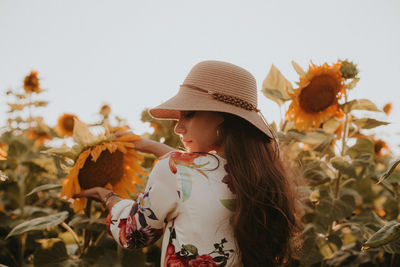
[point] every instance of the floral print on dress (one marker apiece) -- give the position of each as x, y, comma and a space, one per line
185, 197
188, 255
182, 164
132, 235
186, 159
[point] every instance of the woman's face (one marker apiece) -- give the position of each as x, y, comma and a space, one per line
198, 130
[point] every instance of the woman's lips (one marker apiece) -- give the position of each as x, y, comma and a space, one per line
186, 142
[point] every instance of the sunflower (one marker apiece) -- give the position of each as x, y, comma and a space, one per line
387, 108
31, 83
105, 110
156, 127
112, 163
65, 125
348, 69
380, 147
316, 99
39, 135
3, 154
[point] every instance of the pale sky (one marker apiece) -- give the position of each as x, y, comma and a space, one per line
135, 54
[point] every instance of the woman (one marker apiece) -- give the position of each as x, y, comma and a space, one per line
228, 201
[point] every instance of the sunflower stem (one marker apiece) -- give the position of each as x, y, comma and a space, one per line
30, 110
96, 243
344, 139
66, 227
22, 252
87, 234
343, 148
392, 260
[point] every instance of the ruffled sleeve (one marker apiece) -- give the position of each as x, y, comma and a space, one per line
135, 224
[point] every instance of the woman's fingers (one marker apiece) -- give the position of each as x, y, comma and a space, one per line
96, 193
119, 134
90, 193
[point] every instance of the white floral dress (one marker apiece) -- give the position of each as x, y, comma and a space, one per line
187, 199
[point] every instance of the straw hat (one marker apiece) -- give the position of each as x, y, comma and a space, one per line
216, 86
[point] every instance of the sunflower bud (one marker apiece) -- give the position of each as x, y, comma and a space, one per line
387, 108
65, 125
105, 110
348, 69
31, 83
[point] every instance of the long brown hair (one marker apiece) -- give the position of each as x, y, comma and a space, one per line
265, 220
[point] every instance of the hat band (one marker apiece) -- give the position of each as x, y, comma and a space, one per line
233, 100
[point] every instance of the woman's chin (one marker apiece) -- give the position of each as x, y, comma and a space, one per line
188, 149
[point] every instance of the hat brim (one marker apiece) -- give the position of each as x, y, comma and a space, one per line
188, 100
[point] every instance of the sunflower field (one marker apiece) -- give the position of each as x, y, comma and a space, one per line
347, 179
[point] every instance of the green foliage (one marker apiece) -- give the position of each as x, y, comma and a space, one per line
38, 223
351, 197
350, 194
37, 227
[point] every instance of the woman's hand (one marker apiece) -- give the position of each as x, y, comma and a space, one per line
107, 197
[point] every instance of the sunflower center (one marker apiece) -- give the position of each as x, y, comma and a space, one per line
319, 94
378, 146
107, 169
32, 81
68, 123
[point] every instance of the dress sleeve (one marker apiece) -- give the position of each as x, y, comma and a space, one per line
135, 224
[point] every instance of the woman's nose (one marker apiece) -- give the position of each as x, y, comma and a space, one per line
179, 127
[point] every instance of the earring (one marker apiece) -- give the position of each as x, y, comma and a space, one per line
217, 132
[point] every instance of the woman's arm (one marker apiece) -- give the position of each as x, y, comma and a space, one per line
135, 224
153, 147
149, 146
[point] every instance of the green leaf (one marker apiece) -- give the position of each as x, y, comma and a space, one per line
230, 204
312, 138
56, 256
389, 172
276, 87
387, 234
39, 223
353, 83
360, 104
191, 248
330, 209
315, 173
272, 93
362, 146
81, 221
298, 69
131, 257
63, 151
325, 146
368, 218
44, 162
274, 126
331, 125
17, 147
350, 257
14, 107
343, 166
81, 134
315, 138
310, 253
45, 187
40, 103
392, 247
368, 123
